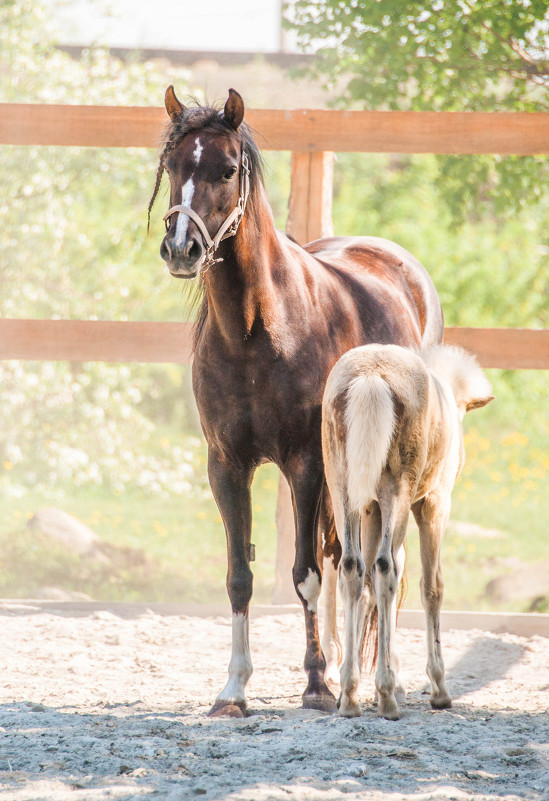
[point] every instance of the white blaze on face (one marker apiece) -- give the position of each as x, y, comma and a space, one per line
183, 221
197, 152
310, 590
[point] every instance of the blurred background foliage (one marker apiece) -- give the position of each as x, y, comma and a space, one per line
119, 446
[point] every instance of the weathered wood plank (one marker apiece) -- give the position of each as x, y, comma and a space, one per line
95, 340
518, 133
310, 204
506, 348
99, 340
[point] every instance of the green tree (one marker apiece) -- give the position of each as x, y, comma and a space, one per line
73, 245
474, 55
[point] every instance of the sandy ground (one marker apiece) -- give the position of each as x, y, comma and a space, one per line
98, 706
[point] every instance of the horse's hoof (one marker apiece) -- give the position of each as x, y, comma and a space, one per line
441, 702
388, 708
324, 702
222, 710
349, 709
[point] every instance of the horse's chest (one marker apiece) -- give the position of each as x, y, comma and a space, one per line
254, 410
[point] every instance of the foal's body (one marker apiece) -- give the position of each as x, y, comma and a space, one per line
275, 317
393, 442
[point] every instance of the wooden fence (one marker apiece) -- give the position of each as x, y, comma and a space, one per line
312, 136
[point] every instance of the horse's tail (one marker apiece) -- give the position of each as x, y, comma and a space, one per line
370, 419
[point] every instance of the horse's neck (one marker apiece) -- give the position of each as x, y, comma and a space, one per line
240, 289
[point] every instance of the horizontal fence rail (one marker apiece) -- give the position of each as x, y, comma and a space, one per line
306, 130
106, 341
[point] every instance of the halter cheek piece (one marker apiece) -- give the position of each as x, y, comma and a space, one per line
230, 226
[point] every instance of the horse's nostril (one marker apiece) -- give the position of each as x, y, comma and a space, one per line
192, 249
165, 250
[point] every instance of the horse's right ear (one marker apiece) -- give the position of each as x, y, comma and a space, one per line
173, 106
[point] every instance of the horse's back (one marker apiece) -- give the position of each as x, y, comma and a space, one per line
380, 265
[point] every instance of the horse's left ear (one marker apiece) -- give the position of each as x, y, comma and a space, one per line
478, 403
234, 109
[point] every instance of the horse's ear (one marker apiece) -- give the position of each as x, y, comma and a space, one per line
478, 403
173, 106
234, 109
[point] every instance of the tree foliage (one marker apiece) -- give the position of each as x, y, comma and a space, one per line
473, 55
73, 245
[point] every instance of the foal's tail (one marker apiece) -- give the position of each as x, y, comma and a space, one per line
369, 419
370, 422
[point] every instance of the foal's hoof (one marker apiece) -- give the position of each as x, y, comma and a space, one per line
387, 708
348, 708
223, 710
441, 702
325, 702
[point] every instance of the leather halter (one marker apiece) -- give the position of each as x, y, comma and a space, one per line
230, 226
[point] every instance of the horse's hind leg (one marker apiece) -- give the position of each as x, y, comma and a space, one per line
400, 690
331, 644
306, 477
395, 508
351, 583
431, 515
231, 489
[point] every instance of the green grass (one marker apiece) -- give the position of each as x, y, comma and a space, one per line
183, 539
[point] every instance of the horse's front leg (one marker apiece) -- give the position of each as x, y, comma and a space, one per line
231, 490
306, 481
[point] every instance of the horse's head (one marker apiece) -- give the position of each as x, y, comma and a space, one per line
209, 182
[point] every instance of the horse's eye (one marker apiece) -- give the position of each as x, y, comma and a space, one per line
229, 173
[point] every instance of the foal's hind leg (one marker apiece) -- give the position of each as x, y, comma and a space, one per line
400, 691
431, 515
395, 508
331, 644
351, 583
306, 477
231, 489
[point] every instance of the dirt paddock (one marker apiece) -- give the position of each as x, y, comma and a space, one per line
110, 702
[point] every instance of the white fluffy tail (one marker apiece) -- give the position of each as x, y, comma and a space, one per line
369, 419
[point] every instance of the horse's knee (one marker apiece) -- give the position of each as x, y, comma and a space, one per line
384, 576
351, 575
240, 588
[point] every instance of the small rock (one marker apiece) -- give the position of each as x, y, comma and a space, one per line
75, 536
528, 583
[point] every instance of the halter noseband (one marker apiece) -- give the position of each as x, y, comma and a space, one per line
230, 226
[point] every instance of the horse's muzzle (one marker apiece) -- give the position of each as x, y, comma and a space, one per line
184, 261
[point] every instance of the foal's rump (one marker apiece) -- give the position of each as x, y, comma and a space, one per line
371, 393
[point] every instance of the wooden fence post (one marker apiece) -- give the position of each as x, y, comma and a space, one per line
309, 217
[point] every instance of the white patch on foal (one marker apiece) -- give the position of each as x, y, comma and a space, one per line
197, 152
240, 666
183, 221
310, 590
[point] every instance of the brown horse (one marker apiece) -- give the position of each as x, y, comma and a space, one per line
274, 319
